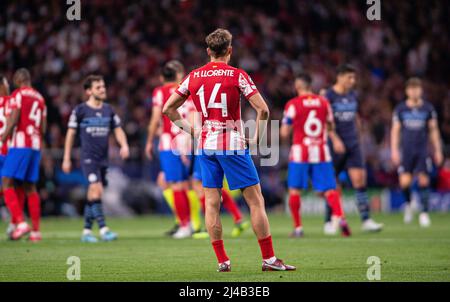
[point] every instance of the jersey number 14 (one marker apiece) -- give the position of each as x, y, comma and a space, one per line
212, 100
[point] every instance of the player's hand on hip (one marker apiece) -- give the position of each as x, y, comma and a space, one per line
395, 157
124, 152
67, 166
149, 150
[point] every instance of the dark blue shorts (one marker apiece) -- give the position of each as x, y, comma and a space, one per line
352, 158
321, 175
22, 164
238, 168
415, 162
173, 167
95, 172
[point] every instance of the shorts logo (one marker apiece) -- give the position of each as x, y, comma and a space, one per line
92, 177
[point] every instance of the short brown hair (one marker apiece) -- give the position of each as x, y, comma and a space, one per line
87, 83
22, 75
170, 70
413, 82
218, 42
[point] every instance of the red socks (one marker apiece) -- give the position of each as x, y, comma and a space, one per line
219, 249
12, 203
21, 197
266, 247
295, 205
231, 206
334, 200
182, 207
34, 207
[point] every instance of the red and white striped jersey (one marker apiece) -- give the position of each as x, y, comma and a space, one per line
216, 90
33, 112
308, 115
4, 113
161, 95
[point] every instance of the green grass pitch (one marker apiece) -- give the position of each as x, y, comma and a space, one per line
142, 253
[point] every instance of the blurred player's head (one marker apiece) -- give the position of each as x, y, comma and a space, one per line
346, 76
22, 77
95, 87
413, 89
173, 71
219, 44
303, 83
4, 85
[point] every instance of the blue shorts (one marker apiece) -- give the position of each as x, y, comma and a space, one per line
352, 158
22, 164
95, 172
238, 168
2, 161
321, 174
415, 162
197, 172
173, 167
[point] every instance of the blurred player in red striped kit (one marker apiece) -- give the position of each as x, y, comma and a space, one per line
26, 124
5, 112
310, 118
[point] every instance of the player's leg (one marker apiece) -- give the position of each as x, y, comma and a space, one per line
214, 227
298, 178
212, 177
324, 181
339, 165
15, 167
197, 188
182, 208
94, 197
176, 175
241, 174
168, 197
231, 207
295, 208
34, 200
358, 177
34, 209
424, 196
405, 181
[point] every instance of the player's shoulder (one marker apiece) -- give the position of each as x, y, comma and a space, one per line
428, 105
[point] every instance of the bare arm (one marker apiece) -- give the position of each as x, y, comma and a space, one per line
68, 144
285, 132
11, 124
122, 140
395, 141
435, 139
262, 115
152, 129
170, 109
338, 145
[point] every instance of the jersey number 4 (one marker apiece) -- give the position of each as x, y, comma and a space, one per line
35, 114
212, 100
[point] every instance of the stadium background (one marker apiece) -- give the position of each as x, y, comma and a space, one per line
128, 43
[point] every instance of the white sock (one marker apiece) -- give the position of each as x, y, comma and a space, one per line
87, 231
271, 260
103, 230
228, 262
22, 225
298, 229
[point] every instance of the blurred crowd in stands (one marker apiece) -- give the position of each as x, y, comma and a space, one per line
128, 42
